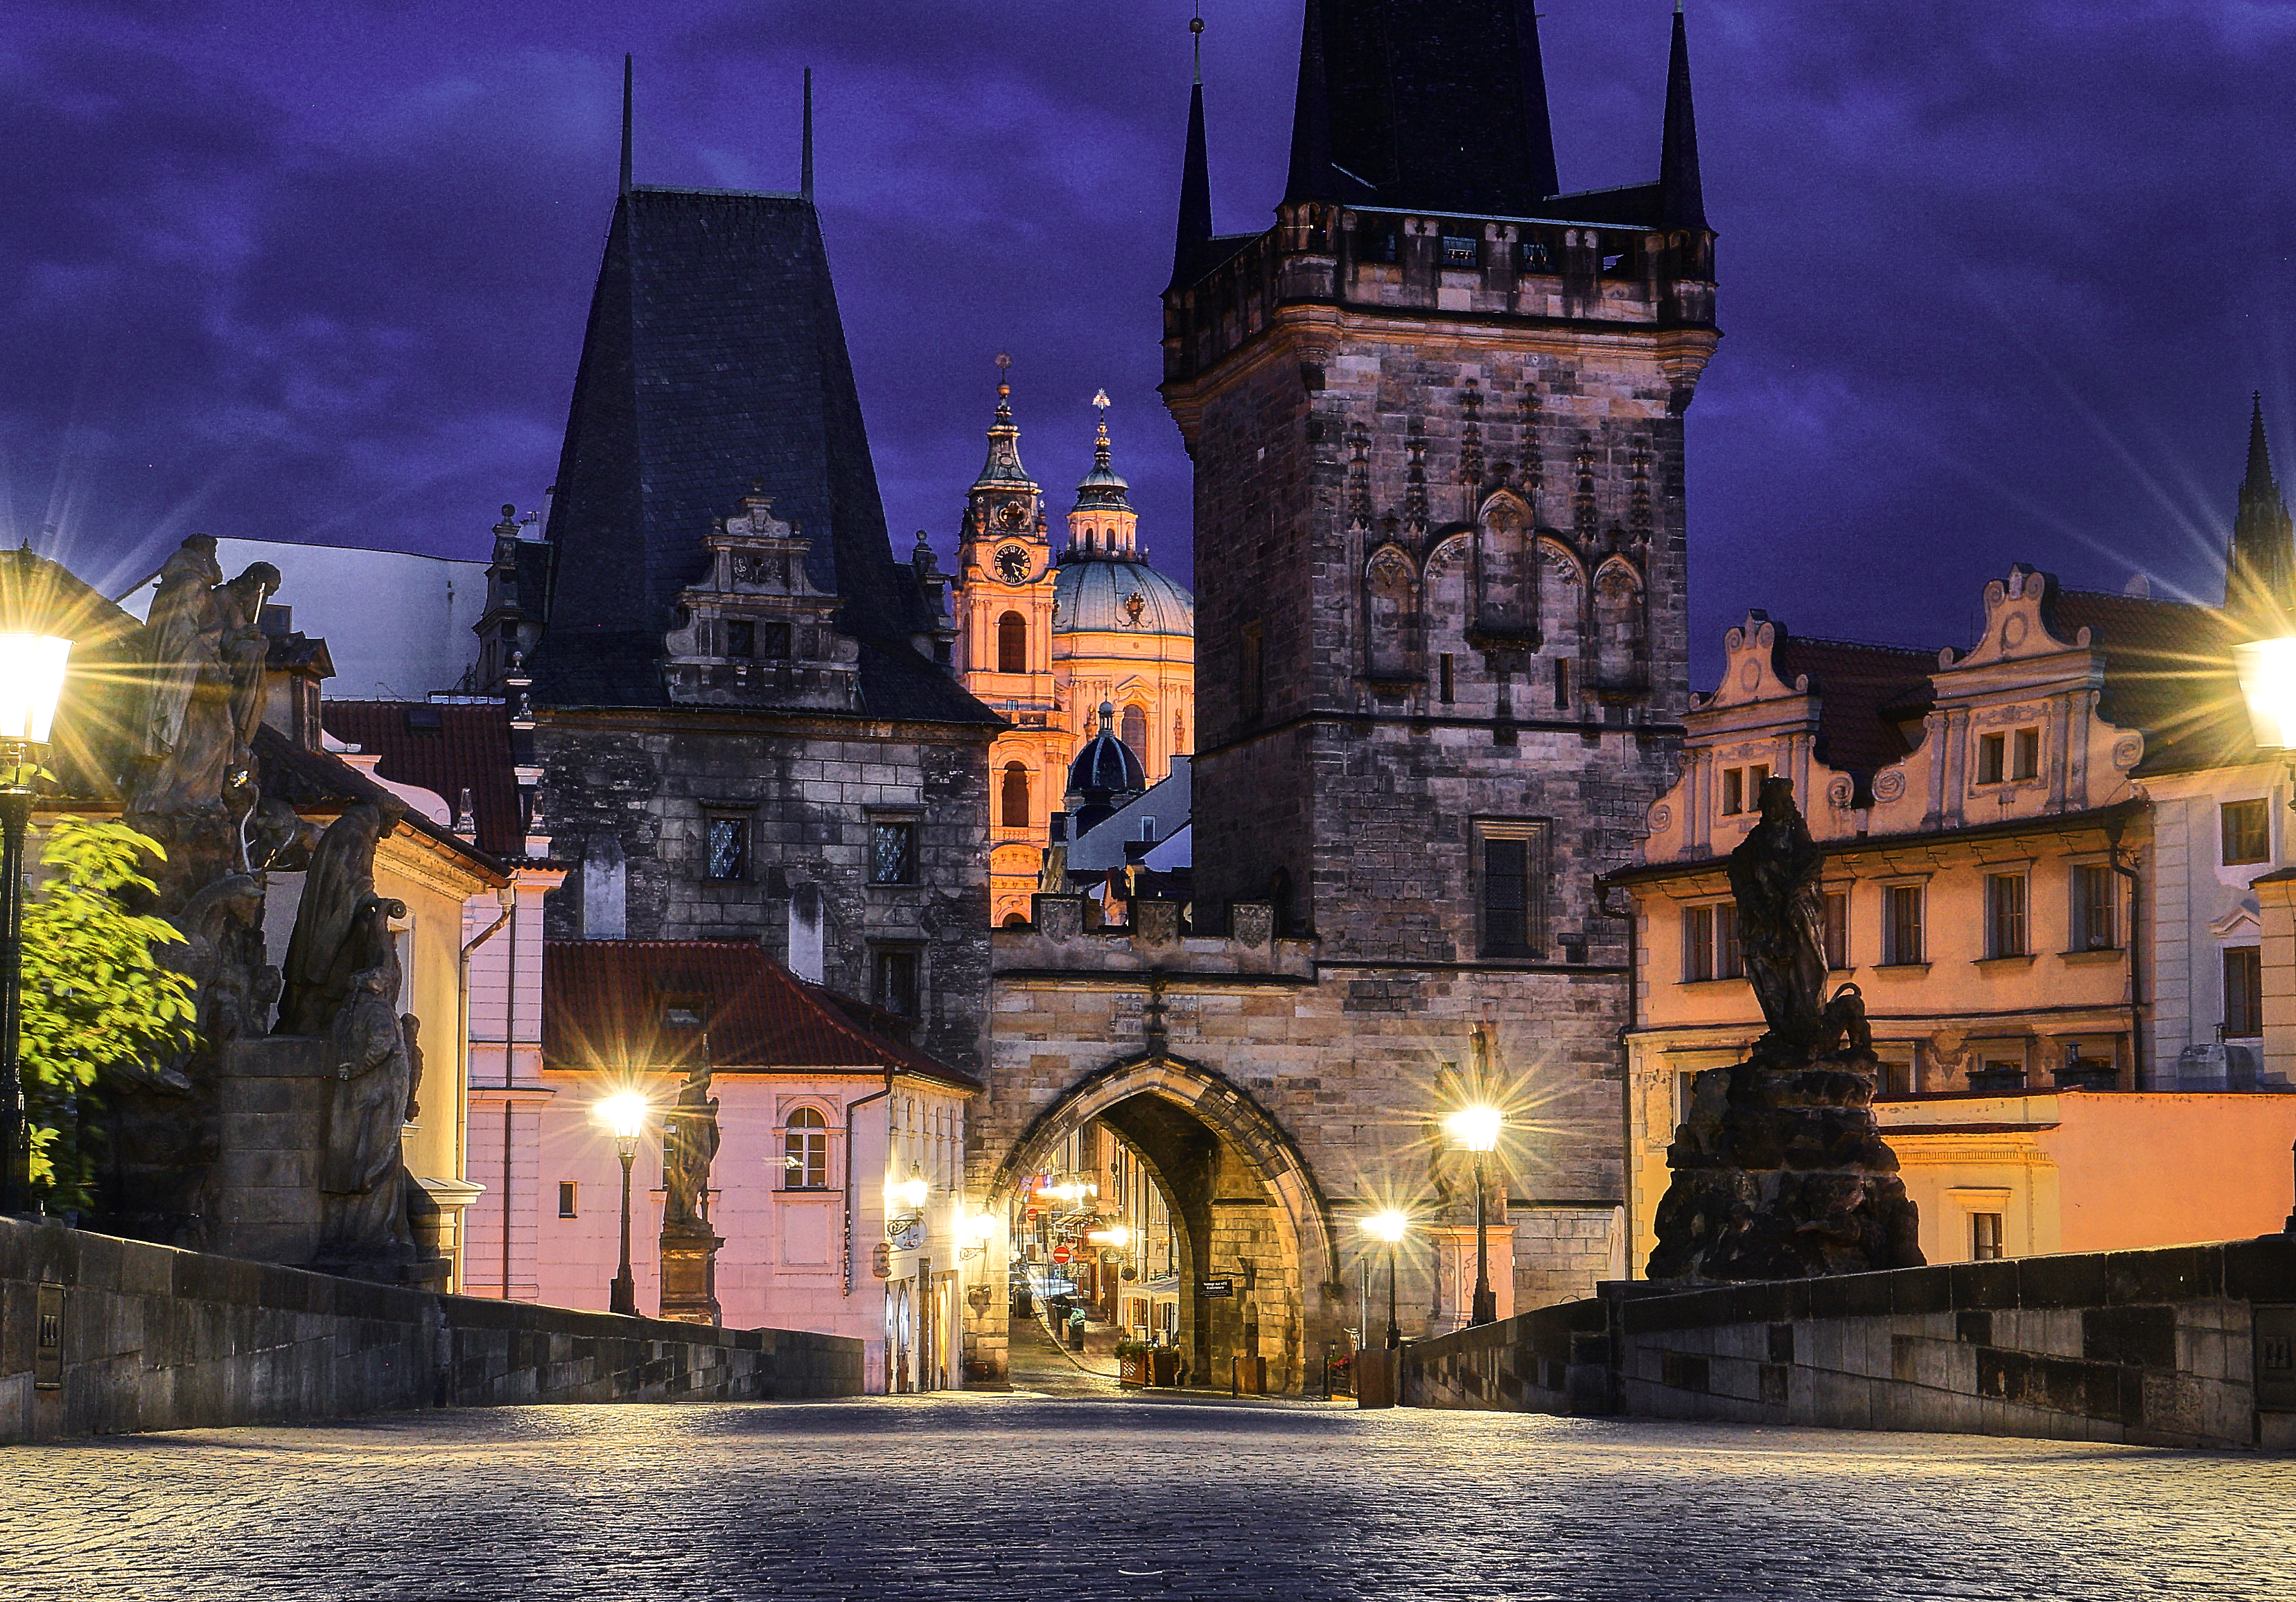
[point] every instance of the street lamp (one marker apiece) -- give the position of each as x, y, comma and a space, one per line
978, 1232
1390, 1227
1477, 1128
31, 681
2268, 682
910, 1194
625, 1113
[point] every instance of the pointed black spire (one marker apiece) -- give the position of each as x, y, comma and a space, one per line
1195, 230
1311, 177
2260, 571
1538, 125
805, 168
1683, 202
626, 124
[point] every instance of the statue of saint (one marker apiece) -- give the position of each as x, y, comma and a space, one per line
361, 1174
341, 927
1773, 874
693, 1126
181, 724
243, 648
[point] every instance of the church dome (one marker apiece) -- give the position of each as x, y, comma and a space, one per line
1095, 595
1106, 769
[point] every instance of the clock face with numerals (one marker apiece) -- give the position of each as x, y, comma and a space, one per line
1012, 565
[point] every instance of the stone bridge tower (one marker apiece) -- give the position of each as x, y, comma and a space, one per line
1436, 416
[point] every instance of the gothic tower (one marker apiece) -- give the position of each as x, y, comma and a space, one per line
2260, 566
1436, 415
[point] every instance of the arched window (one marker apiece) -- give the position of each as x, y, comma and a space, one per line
1012, 643
1016, 796
1393, 610
1135, 732
805, 1151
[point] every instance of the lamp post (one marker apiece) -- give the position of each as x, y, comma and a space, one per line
1477, 1128
1390, 1227
625, 1114
31, 681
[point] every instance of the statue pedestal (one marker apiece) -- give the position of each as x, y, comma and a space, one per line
262, 1191
689, 1276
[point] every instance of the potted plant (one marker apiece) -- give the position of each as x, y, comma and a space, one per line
1132, 1363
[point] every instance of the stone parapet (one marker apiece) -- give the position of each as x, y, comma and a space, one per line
2186, 1346
1063, 940
101, 1335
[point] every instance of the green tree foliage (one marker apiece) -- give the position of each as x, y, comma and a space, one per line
96, 997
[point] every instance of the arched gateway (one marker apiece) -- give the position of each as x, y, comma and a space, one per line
1244, 1204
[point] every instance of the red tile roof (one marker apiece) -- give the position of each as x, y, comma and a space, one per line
2169, 670
605, 1005
468, 749
1854, 682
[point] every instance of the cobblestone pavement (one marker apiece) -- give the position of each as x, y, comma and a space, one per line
1037, 1497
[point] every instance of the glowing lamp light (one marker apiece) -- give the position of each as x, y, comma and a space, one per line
1116, 1237
2267, 680
912, 1191
31, 682
1389, 1226
624, 1113
1476, 1128
983, 1229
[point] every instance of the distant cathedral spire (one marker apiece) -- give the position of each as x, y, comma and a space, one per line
2261, 569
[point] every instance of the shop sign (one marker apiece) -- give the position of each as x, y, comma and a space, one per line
880, 1259
1216, 1288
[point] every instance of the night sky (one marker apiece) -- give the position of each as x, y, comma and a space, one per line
1996, 280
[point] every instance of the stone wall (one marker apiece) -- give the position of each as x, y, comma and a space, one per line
99, 1336
808, 790
2180, 1347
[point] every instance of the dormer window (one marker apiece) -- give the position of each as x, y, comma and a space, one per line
742, 640
2000, 761
1534, 258
681, 1017
1742, 787
1459, 252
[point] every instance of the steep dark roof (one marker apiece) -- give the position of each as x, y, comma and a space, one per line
714, 358
446, 749
1438, 104
2170, 671
605, 1005
1854, 682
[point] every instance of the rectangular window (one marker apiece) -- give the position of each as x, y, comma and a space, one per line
1686, 1093
1757, 776
896, 984
1985, 1236
1514, 888
1534, 258
1729, 958
774, 641
1837, 930
1250, 687
1697, 942
1990, 750
2027, 764
892, 852
1734, 791
2004, 915
1562, 683
2247, 831
566, 1193
729, 848
2244, 993
741, 639
1901, 925
1459, 252
2097, 923
1444, 678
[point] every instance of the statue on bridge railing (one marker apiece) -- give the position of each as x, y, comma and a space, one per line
1778, 1172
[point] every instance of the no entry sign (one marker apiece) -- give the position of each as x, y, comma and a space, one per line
1061, 1253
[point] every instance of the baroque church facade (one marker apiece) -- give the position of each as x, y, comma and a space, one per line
1046, 638
1436, 417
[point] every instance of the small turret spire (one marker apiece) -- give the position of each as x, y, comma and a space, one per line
805, 168
1002, 469
625, 125
1195, 230
2261, 568
1682, 199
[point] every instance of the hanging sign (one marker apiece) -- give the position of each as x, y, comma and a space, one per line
880, 1259
1216, 1288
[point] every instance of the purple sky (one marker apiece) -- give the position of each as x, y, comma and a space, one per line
1997, 281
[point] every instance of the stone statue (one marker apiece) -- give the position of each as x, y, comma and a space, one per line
184, 718
223, 952
1774, 875
243, 649
1778, 1172
361, 1174
693, 1125
335, 933
1053, 871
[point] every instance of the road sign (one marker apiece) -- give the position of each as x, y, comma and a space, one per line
1216, 1288
1061, 1253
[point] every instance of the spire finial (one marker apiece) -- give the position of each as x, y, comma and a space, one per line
1196, 26
1003, 386
1100, 445
625, 125
805, 167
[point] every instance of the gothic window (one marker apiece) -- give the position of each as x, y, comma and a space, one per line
1618, 628
1012, 643
1560, 592
1392, 594
1015, 809
1506, 574
805, 1151
1134, 732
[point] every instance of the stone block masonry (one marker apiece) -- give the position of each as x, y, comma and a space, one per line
101, 1335
2187, 1346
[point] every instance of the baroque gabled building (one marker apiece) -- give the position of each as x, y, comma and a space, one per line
1436, 417
742, 714
1047, 639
